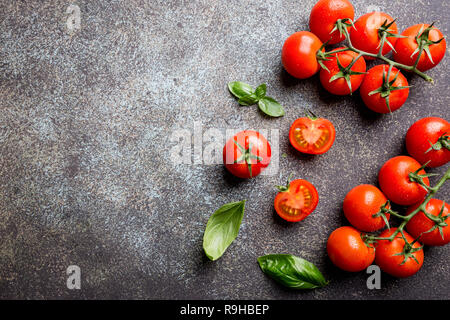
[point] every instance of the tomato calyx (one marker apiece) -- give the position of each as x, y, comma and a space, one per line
346, 72
418, 178
442, 142
424, 43
408, 250
388, 86
384, 210
341, 25
285, 188
439, 221
247, 156
384, 32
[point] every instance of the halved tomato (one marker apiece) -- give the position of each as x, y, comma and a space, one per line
312, 135
296, 201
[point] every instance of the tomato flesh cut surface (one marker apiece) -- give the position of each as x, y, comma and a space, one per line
312, 136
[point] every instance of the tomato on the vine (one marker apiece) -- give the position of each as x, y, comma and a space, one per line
407, 48
299, 54
312, 135
337, 78
428, 141
348, 251
247, 154
325, 14
395, 179
381, 94
296, 201
420, 225
362, 203
393, 258
367, 29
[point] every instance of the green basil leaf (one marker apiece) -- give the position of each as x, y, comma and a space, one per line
248, 100
222, 228
260, 91
240, 89
291, 271
270, 107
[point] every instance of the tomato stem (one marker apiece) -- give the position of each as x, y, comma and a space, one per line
379, 55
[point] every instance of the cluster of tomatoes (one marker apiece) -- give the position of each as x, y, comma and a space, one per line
248, 152
383, 88
367, 208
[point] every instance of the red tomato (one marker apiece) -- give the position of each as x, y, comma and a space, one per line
337, 79
420, 224
365, 35
348, 251
247, 154
374, 80
323, 19
296, 201
361, 203
405, 48
429, 140
387, 259
299, 54
395, 182
312, 135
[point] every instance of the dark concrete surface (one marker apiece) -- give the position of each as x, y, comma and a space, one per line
86, 177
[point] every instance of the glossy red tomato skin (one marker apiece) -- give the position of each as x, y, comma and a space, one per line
260, 147
420, 224
373, 80
421, 134
340, 86
323, 18
298, 202
395, 183
389, 262
348, 251
312, 136
361, 203
405, 47
364, 35
298, 55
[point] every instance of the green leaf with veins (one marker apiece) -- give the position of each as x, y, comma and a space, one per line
240, 89
291, 271
271, 107
222, 228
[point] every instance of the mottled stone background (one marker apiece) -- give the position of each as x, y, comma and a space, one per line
85, 173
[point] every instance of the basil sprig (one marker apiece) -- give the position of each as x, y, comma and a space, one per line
291, 271
222, 228
247, 97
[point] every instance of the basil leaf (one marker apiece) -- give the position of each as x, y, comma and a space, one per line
240, 89
270, 107
222, 228
291, 271
260, 91
248, 100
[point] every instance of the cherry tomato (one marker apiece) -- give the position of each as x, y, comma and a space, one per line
312, 135
340, 85
295, 202
247, 154
374, 80
389, 261
405, 48
420, 223
429, 140
323, 19
299, 54
395, 182
361, 203
366, 36
348, 251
